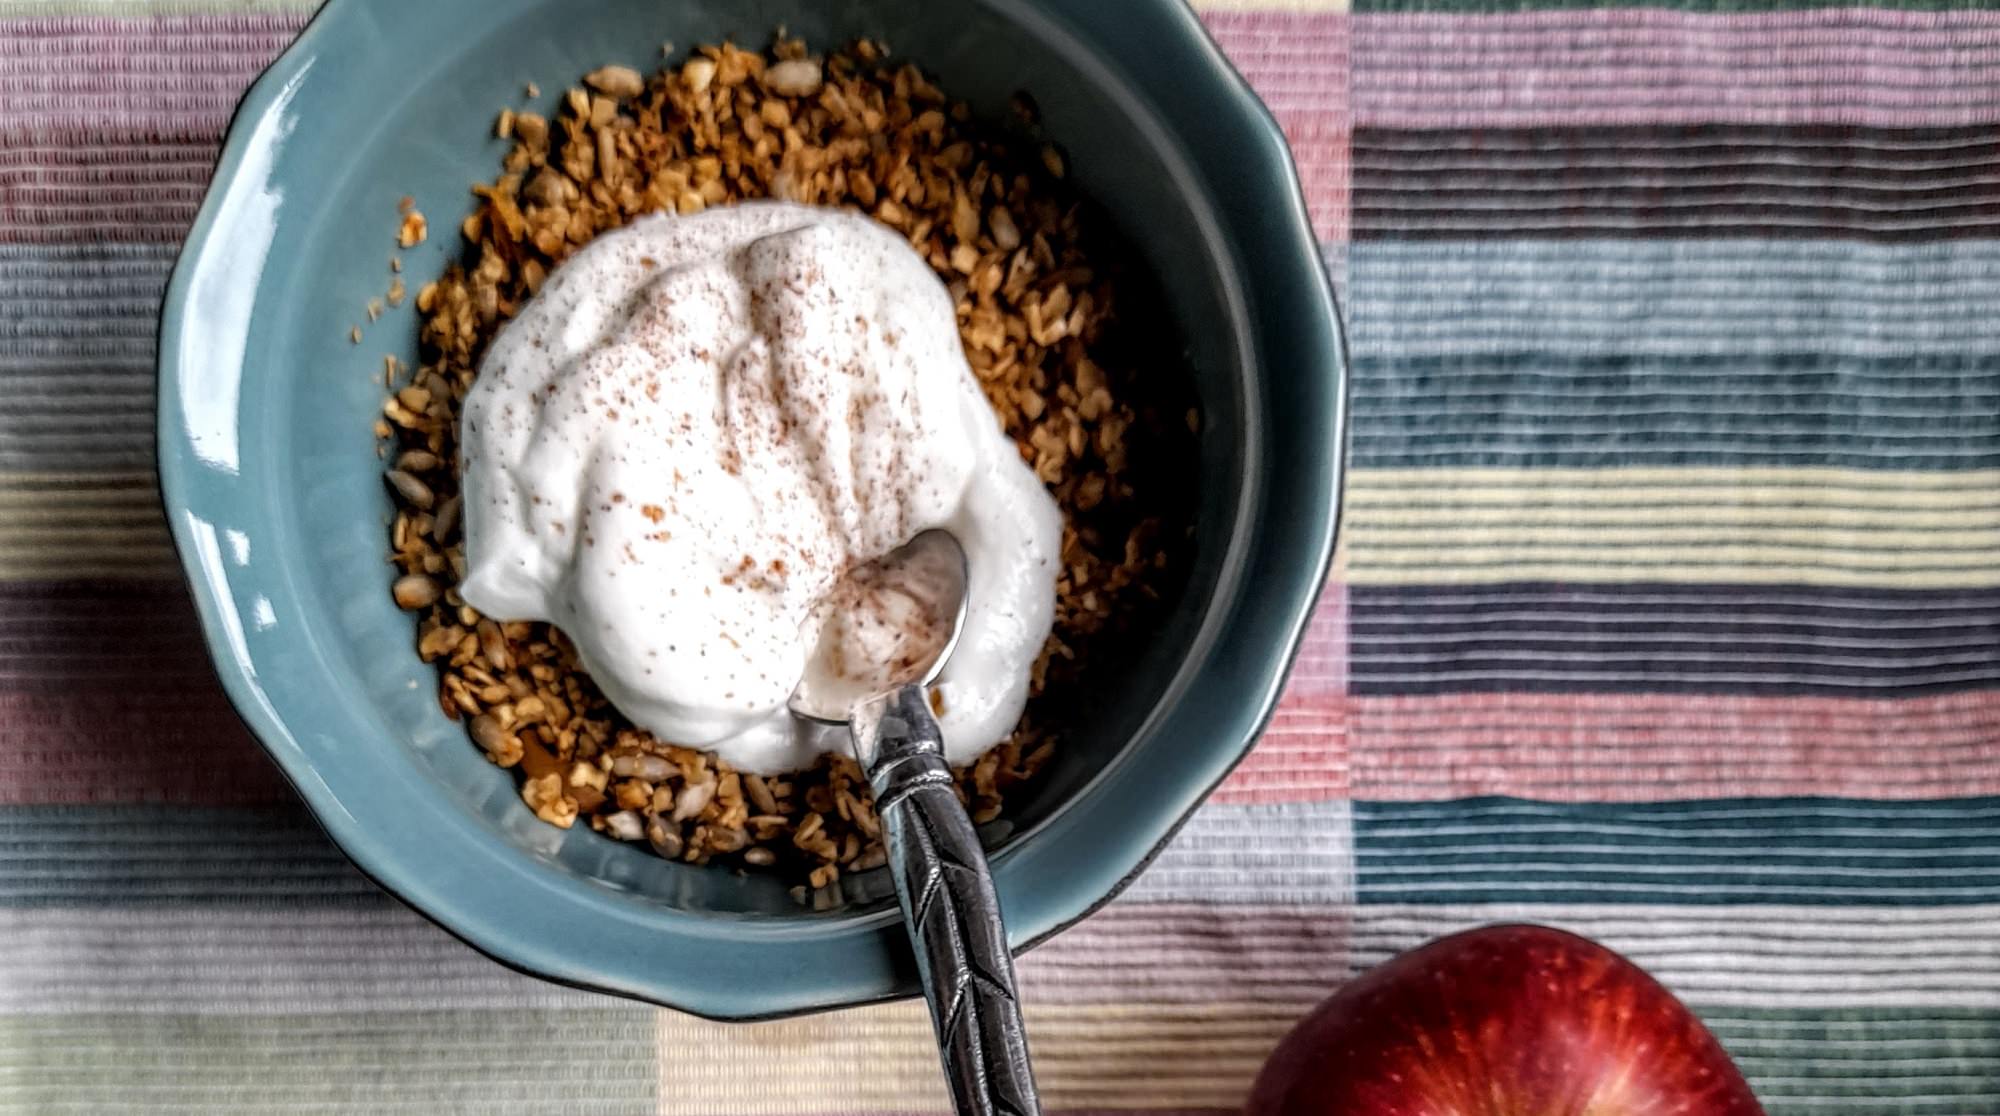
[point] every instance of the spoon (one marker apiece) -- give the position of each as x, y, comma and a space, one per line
885, 633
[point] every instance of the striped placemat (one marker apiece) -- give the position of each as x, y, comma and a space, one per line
1669, 609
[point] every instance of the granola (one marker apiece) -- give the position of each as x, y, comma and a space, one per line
1096, 406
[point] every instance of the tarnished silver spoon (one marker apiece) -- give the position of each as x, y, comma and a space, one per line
885, 634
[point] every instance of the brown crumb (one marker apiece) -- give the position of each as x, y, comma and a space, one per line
413, 229
616, 81
1103, 418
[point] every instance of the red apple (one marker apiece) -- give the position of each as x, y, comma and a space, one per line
1502, 1021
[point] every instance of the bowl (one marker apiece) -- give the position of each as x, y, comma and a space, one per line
273, 486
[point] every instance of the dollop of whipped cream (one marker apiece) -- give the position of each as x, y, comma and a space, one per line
699, 425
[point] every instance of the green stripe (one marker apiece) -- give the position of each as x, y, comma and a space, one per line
592, 1061
58, 857
1805, 851
1877, 1060
135, 855
1797, 409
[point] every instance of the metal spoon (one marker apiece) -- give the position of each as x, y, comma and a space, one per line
885, 634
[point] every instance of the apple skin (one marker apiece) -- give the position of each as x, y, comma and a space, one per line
1502, 1021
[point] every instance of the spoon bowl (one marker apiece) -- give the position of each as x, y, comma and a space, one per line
889, 623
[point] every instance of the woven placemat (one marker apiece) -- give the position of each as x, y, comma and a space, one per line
1667, 610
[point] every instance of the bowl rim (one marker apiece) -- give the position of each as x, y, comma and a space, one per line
1278, 246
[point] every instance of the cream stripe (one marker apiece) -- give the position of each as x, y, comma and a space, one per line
1086, 1056
1430, 569
1580, 509
1809, 540
31, 541
30, 484
81, 502
151, 564
1763, 525
1446, 548
1669, 482
28, 516
1700, 493
67, 526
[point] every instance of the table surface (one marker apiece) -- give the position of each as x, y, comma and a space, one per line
1668, 610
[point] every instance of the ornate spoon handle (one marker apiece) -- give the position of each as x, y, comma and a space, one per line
950, 908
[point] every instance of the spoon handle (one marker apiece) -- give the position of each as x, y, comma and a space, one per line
950, 908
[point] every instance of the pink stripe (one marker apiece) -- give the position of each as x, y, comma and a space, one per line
1298, 61
1321, 667
78, 85
106, 695
23, 32
112, 686
1643, 66
1283, 958
87, 96
1299, 66
162, 42
1647, 747
194, 67
1303, 754
1321, 147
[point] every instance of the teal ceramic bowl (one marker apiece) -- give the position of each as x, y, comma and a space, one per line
271, 479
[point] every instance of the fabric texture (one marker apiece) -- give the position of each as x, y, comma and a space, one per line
1668, 609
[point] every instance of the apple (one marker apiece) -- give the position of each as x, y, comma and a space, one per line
1502, 1021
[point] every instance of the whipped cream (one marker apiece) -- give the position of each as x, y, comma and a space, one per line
699, 425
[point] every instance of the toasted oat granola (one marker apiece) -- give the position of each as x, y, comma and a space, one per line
1085, 400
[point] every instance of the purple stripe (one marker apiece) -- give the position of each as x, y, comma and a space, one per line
1696, 639
1638, 66
136, 744
107, 692
82, 638
1711, 180
170, 75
